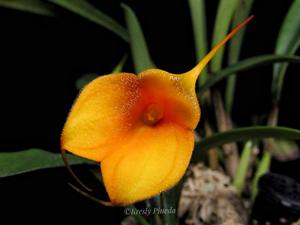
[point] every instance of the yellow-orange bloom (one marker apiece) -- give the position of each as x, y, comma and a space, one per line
140, 127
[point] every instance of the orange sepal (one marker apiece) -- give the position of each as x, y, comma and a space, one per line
101, 116
152, 160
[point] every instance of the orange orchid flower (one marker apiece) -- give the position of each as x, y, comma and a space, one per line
139, 127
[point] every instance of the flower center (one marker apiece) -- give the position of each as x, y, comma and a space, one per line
153, 114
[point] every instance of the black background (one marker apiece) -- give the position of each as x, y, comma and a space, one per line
42, 57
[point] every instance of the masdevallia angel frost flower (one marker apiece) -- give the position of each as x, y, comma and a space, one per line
139, 127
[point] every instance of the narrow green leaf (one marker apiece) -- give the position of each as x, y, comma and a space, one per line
168, 219
247, 64
119, 68
96, 173
170, 200
139, 218
198, 16
225, 12
87, 78
247, 133
88, 11
287, 43
263, 168
33, 6
139, 49
235, 45
241, 173
84, 80
13, 163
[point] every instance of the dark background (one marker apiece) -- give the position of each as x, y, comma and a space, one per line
42, 57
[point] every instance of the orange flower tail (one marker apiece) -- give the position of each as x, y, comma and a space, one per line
193, 74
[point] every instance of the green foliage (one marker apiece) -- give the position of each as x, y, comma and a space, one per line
87, 78
13, 163
32, 6
198, 16
287, 43
242, 170
235, 46
139, 49
224, 16
263, 168
246, 64
247, 133
88, 11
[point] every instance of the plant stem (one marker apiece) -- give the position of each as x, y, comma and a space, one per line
213, 160
224, 124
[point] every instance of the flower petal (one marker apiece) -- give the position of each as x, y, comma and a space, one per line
151, 161
101, 116
181, 104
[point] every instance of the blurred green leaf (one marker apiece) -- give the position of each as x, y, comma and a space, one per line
235, 45
13, 163
263, 168
247, 133
224, 16
85, 79
247, 64
166, 203
139, 218
197, 10
33, 6
119, 68
96, 173
170, 200
285, 150
88, 11
241, 173
288, 42
139, 49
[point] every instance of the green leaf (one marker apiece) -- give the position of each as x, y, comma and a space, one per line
33, 6
235, 45
97, 174
85, 79
166, 203
247, 64
13, 163
263, 168
139, 49
198, 16
247, 133
139, 218
225, 12
88, 11
287, 43
170, 200
119, 68
241, 173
